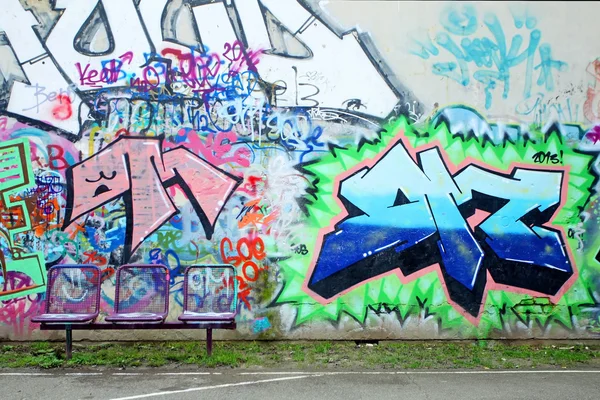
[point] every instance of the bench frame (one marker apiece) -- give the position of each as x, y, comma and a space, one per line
203, 323
69, 328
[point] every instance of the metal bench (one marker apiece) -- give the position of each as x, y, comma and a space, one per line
142, 301
72, 298
141, 294
210, 298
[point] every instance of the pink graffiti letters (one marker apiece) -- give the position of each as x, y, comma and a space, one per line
138, 171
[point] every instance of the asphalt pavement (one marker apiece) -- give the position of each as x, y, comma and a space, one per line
289, 385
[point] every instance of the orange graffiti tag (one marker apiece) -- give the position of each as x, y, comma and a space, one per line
242, 256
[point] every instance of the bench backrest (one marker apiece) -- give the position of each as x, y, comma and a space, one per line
73, 289
211, 290
142, 289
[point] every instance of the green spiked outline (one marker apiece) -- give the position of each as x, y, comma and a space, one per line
388, 290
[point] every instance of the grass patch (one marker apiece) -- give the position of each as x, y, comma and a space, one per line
322, 347
294, 355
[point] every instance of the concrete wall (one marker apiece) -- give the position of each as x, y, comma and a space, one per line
373, 169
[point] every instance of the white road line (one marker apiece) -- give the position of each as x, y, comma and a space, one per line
83, 373
24, 374
226, 385
365, 373
127, 374
498, 372
283, 373
183, 373
320, 373
305, 373
487, 372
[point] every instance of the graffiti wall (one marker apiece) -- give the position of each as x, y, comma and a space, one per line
370, 169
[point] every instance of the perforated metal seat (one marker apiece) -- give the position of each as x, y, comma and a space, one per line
72, 296
141, 294
210, 293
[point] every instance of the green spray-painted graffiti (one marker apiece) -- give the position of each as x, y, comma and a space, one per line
22, 273
420, 264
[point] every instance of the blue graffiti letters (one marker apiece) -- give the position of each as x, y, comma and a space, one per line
410, 215
489, 59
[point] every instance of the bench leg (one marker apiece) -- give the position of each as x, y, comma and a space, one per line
69, 335
209, 341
